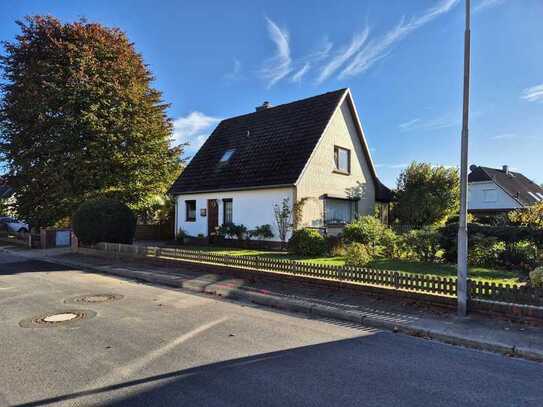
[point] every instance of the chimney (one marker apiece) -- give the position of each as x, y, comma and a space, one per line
505, 169
264, 106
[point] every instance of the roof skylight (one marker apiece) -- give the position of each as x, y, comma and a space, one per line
226, 156
535, 196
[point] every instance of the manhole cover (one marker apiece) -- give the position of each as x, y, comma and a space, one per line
68, 316
57, 318
94, 298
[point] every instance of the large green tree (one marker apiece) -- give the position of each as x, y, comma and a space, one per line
426, 195
79, 119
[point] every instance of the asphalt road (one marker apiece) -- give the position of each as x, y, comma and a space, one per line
162, 347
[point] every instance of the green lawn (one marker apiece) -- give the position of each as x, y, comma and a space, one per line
431, 269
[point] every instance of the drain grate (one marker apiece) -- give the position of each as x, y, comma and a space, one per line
57, 318
94, 299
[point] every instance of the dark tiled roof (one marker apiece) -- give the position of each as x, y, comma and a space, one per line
514, 183
271, 147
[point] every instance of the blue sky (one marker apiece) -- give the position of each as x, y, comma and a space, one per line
401, 59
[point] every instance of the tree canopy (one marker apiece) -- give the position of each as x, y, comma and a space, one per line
426, 195
531, 216
80, 120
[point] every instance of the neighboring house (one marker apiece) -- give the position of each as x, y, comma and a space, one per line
312, 148
493, 191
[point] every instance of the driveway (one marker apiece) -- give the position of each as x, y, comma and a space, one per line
149, 345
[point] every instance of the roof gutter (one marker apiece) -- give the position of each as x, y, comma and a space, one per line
205, 191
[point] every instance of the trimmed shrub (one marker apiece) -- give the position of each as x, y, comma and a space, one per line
536, 277
522, 254
485, 251
262, 232
336, 246
390, 244
104, 220
506, 234
368, 230
421, 245
307, 242
358, 255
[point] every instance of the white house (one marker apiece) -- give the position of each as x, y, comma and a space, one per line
312, 148
492, 190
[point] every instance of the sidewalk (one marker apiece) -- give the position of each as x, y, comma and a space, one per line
403, 316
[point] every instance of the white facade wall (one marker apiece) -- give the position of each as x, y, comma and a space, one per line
481, 196
319, 177
250, 208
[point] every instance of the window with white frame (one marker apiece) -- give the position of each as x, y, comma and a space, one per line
342, 160
490, 195
339, 211
227, 211
190, 211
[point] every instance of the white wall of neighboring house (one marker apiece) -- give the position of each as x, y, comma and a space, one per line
488, 195
319, 177
250, 208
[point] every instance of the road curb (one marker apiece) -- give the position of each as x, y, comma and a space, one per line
303, 306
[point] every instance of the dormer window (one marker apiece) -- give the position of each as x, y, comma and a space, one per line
226, 156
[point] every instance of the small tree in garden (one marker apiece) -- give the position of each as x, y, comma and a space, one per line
426, 195
283, 219
297, 213
531, 216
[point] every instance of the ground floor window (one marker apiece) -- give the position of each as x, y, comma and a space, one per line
227, 211
190, 212
339, 210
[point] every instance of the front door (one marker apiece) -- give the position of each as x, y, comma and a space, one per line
212, 219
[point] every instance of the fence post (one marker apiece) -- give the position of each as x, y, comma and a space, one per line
396, 280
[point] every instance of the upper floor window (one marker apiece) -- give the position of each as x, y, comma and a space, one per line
227, 154
490, 195
342, 160
190, 213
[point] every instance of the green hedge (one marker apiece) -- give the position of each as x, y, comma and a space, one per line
307, 242
507, 234
104, 220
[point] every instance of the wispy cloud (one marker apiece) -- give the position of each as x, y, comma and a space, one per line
441, 122
279, 66
514, 136
533, 94
505, 136
343, 55
481, 5
297, 77
193, 129
235, 73
409, 124
377, 49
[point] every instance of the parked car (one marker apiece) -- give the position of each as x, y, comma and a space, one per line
14, 225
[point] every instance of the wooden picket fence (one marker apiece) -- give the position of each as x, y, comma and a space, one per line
396, 280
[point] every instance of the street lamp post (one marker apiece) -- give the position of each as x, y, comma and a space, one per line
462, 261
